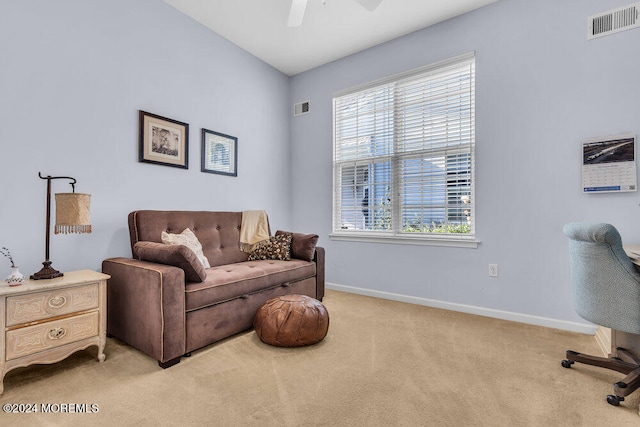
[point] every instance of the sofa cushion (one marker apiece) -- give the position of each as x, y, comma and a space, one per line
230, 281
277, 247
218, 232
177, 255
188, 239
303, 246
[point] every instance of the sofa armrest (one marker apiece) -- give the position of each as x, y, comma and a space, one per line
318, 258
146, 306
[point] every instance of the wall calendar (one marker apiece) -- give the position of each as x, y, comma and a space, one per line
609, 164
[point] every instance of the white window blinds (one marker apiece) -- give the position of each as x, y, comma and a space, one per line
404, 154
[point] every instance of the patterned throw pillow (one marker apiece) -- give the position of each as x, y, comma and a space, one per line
188, 239
303, 246
277, 247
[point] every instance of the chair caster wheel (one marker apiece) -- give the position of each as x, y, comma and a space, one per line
567, 363
614, 400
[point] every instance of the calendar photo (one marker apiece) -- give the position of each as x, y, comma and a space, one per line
609, 164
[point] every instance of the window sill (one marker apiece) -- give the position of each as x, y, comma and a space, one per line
461, 242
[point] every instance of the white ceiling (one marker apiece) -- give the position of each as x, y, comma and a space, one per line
328, 32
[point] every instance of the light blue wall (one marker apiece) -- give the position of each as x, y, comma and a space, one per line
73, 75
541, 88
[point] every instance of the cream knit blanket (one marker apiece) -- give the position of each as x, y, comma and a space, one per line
253, 230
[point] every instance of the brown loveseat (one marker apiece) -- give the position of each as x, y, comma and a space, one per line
161, 308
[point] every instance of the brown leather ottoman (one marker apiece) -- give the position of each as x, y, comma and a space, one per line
291, 321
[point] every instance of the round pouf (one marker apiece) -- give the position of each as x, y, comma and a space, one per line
291, 321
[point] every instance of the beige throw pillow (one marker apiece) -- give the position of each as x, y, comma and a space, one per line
188, 239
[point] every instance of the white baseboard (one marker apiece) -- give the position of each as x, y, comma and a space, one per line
585, 328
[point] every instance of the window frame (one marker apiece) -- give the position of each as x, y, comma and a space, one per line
396, 235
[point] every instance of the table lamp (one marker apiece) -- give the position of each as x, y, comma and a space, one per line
72, 216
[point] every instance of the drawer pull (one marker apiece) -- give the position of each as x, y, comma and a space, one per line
285, 285
57, 333
57, 302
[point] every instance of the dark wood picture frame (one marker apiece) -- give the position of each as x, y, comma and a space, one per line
163, 141
219, 153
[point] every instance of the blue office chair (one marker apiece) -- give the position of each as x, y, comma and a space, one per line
606, 290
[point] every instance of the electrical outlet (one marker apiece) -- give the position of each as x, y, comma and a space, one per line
493, 270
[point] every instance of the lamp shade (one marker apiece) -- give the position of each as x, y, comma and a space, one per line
72, 213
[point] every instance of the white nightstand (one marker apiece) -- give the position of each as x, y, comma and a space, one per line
45, 321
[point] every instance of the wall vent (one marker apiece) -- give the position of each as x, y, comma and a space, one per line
615, 20
301, 108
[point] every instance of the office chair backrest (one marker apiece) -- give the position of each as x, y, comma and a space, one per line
606, 284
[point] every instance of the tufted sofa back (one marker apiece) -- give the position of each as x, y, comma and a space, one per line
218, 232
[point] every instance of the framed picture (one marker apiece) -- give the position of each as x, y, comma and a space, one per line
219, 153
163, 141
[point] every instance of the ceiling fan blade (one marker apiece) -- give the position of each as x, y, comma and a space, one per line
296, 13
370, 5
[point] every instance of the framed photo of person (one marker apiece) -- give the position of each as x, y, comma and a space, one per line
163, 141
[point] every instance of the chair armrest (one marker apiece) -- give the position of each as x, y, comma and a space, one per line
318, 258
146, 306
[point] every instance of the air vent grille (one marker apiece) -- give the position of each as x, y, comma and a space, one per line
301, 108
614, 20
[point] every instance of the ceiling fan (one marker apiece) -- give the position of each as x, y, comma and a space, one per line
296, 13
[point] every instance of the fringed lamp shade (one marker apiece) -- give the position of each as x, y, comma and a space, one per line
72, 213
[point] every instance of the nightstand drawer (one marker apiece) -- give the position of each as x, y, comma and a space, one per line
47, 304
34, 339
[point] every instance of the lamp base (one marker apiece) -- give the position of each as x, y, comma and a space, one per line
46, 272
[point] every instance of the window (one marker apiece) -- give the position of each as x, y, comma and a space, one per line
404, 155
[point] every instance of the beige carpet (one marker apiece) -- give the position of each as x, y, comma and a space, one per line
382, 363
